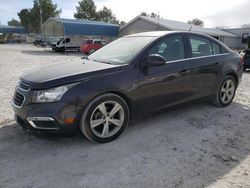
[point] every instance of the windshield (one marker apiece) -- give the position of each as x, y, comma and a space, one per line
121, 51
60, 40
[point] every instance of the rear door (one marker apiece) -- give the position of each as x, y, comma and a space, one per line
168, 84
205, 63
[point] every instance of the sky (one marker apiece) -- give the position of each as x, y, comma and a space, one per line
214, 13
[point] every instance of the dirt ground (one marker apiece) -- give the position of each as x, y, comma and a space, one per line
194, 146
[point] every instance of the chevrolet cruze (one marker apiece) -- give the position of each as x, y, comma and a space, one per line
135, 74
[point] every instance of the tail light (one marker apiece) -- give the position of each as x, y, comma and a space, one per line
242, 60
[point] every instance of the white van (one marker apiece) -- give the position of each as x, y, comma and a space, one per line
67, 44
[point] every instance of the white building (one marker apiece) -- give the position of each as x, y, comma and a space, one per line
240, 41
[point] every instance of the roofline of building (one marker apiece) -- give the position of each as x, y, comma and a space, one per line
144, 18
67, 20
237, 28
164, 26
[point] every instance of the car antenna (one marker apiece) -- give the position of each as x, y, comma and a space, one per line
190, 28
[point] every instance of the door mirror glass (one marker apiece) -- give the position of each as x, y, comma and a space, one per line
155, 60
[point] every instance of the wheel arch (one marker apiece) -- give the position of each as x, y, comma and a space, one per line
124, 97
234, 75
119, 93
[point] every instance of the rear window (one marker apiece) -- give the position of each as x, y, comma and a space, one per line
218, 49
97, 42
200, 46
87, 42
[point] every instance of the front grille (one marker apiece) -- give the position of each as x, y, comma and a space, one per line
24, 86
18, 99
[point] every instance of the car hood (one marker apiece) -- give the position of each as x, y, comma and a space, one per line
66, 73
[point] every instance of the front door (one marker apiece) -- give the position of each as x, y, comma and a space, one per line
168, 84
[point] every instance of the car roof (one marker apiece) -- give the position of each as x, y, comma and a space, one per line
150, 34
158, 34
161, 33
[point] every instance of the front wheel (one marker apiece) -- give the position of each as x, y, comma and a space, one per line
226, 92
105, 118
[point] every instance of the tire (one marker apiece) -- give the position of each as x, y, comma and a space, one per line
105, 118
62, 49
226, 92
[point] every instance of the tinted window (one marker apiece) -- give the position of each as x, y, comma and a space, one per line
244, 38
171, 48
216, 48
87, 42
223, 51
97, 42
200, 46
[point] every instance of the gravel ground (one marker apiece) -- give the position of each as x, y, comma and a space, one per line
193, 146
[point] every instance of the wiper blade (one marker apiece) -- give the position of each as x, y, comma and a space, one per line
101, 61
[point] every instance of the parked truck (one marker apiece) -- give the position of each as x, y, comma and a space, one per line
3, 38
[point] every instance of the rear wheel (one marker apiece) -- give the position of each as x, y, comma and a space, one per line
105, 118
226, 92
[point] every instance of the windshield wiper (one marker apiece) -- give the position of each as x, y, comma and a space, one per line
100, 61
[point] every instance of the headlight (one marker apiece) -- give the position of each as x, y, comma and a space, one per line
50, 95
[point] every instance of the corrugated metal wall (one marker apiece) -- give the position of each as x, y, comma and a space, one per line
235, 43
139, 26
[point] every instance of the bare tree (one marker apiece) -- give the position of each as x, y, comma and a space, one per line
144, 14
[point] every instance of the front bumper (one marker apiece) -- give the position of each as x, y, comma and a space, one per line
48, 117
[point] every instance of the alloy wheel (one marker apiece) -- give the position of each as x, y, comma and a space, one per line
227, 91
107, 119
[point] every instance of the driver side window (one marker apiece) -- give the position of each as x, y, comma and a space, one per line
171, 48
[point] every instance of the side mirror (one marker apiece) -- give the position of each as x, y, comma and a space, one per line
155, 60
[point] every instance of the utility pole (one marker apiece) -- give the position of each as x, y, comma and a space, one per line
158, 20
41, 13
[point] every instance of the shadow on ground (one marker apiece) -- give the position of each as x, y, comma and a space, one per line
192, 146
48, 52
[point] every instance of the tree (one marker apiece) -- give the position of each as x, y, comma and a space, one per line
144, 14
122, 23
86, 9
196, 21
154, 15
24, 16
30, 18
14, 22
106, 15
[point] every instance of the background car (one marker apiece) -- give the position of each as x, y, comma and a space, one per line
246, 58
90, 46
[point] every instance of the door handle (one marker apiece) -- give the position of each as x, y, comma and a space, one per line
184, 72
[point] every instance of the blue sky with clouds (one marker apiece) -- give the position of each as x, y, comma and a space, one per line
213, 12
